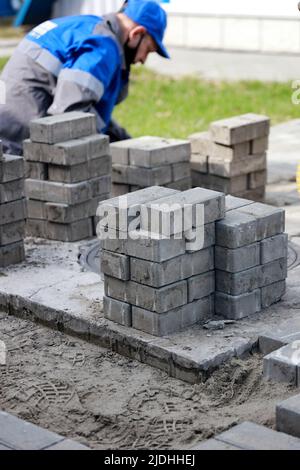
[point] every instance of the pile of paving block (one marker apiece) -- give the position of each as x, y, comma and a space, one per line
232, 156
68, 171
12, 210
150, 161
158, 283
251, 258
160, 279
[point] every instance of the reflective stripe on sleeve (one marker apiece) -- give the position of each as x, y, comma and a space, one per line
84, 79
42, 56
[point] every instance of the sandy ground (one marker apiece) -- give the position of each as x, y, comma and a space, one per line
108, 402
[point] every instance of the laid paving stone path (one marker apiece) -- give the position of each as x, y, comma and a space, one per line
16, 434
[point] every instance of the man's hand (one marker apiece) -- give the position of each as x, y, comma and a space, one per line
117, 133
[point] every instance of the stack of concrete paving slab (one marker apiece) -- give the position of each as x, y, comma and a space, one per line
160, 278
283, 365
150, 161
231, 157
68, 171
12, 210
251, 258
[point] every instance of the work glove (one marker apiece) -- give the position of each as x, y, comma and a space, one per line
116, 133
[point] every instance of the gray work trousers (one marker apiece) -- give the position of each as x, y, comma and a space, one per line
29, 94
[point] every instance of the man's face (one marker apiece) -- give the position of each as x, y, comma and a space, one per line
141, 44
146, 47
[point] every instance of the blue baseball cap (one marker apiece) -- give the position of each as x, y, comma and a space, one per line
154, 19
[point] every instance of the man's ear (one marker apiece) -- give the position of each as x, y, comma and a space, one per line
135, 34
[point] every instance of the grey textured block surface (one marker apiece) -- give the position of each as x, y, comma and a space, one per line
181, 171
273, 272
118, 312
12, 254
98, 145
36, 228
118, 190
12, 191
238, 307
11, 168
115, 265
74, 232
249, 224
175, 320
237, 230
67, 445
240, 259
13, 212
130, 206
272, 294
22, 435
234, 185
171, 271
232, 203
156, 300
144, 177
240, 151
255, 195
240, 129
36, 171
143, 245
100, 186
120, 153
197, 240
172, 208
12, 233
239, 283
257, 179
281, 365
73, 152
68, 174
199, 164
37, 209
120, 174
64, 127
201, 143
58, 192
65, 214
100, 166
250, 436
270, 220
147, 177
259, 145
274, 248
150, 152
233, 169
288, 416
181, 185
156, 274
201, 286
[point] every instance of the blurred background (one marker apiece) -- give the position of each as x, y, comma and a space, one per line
259, 25
228, 58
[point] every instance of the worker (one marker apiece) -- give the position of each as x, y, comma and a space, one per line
78, 63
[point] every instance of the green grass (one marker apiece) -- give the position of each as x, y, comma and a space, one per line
169, 107
3, 61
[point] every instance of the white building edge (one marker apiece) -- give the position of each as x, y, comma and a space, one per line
267, 26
